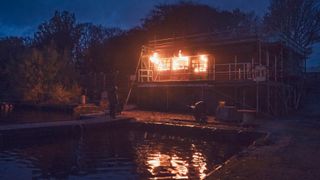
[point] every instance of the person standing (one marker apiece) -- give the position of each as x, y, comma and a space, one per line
112, 95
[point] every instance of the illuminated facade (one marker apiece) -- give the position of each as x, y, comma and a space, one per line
245, 69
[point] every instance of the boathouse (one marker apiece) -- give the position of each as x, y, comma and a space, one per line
245, 69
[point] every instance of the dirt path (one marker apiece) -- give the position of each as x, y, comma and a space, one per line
293, 152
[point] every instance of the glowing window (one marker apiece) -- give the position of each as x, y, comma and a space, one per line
161, 64
181, 62
200, 64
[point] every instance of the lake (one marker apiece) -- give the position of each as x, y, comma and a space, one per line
121, 152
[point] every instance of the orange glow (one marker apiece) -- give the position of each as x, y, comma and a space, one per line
180, 167
203, 64
155, 58
199, 162
199, 63
181, 62
159, 63
171, 164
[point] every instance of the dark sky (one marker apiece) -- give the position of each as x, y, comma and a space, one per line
21, 17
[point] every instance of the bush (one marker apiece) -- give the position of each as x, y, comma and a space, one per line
59, 94
35, 94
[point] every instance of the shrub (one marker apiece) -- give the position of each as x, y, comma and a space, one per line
60, 94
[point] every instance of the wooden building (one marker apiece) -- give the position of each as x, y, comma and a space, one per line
245, 69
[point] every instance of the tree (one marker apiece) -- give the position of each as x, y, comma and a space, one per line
296, 19
61, 34
12, 50
90, 49
61, 31
42, 73
167, 20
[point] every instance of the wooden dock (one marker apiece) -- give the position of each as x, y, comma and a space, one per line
18, 132
84, 122
21, 133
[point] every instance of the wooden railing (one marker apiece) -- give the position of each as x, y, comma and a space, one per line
224, 72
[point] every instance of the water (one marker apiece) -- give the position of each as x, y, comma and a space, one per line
122, 153
32, 116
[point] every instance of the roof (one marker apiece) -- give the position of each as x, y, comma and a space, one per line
214, 39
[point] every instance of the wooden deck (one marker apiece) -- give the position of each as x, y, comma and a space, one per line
206, 83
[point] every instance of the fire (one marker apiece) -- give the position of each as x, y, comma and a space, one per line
181, 62
155, 58
159, 63
203, 64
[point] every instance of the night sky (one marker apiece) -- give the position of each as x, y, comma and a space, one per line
21, 17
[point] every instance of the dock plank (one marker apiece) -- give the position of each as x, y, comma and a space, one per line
25, 126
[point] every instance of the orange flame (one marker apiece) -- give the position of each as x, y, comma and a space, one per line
180, 62
203, 64
158, 62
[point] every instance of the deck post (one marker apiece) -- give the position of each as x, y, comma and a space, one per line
268, 64
281, 64
229, 71
167, 99
268, 80
257, 85
235, 67
275, 68
214, 68
252, 68
260, 54
257, 97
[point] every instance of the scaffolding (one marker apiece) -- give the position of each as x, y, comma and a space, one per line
244, 61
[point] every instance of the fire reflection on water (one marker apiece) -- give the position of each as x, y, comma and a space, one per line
163, 162
117, 154
199, 162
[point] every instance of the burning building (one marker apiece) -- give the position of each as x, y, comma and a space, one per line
247, 70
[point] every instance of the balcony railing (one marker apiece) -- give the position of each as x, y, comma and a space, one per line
218, 72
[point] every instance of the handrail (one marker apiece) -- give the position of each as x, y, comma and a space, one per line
232, 71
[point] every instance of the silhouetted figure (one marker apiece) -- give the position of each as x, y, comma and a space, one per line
112, 94
199, 111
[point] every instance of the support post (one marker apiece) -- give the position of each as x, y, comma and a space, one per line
268, 97
257, 97
104, 82
268, 65
245, 71
214, 68
281, 64
260, 53
229, 71
252, 68
167, 99
275, 68
268, 80
235, 67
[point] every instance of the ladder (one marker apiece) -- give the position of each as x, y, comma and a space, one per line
145, 73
